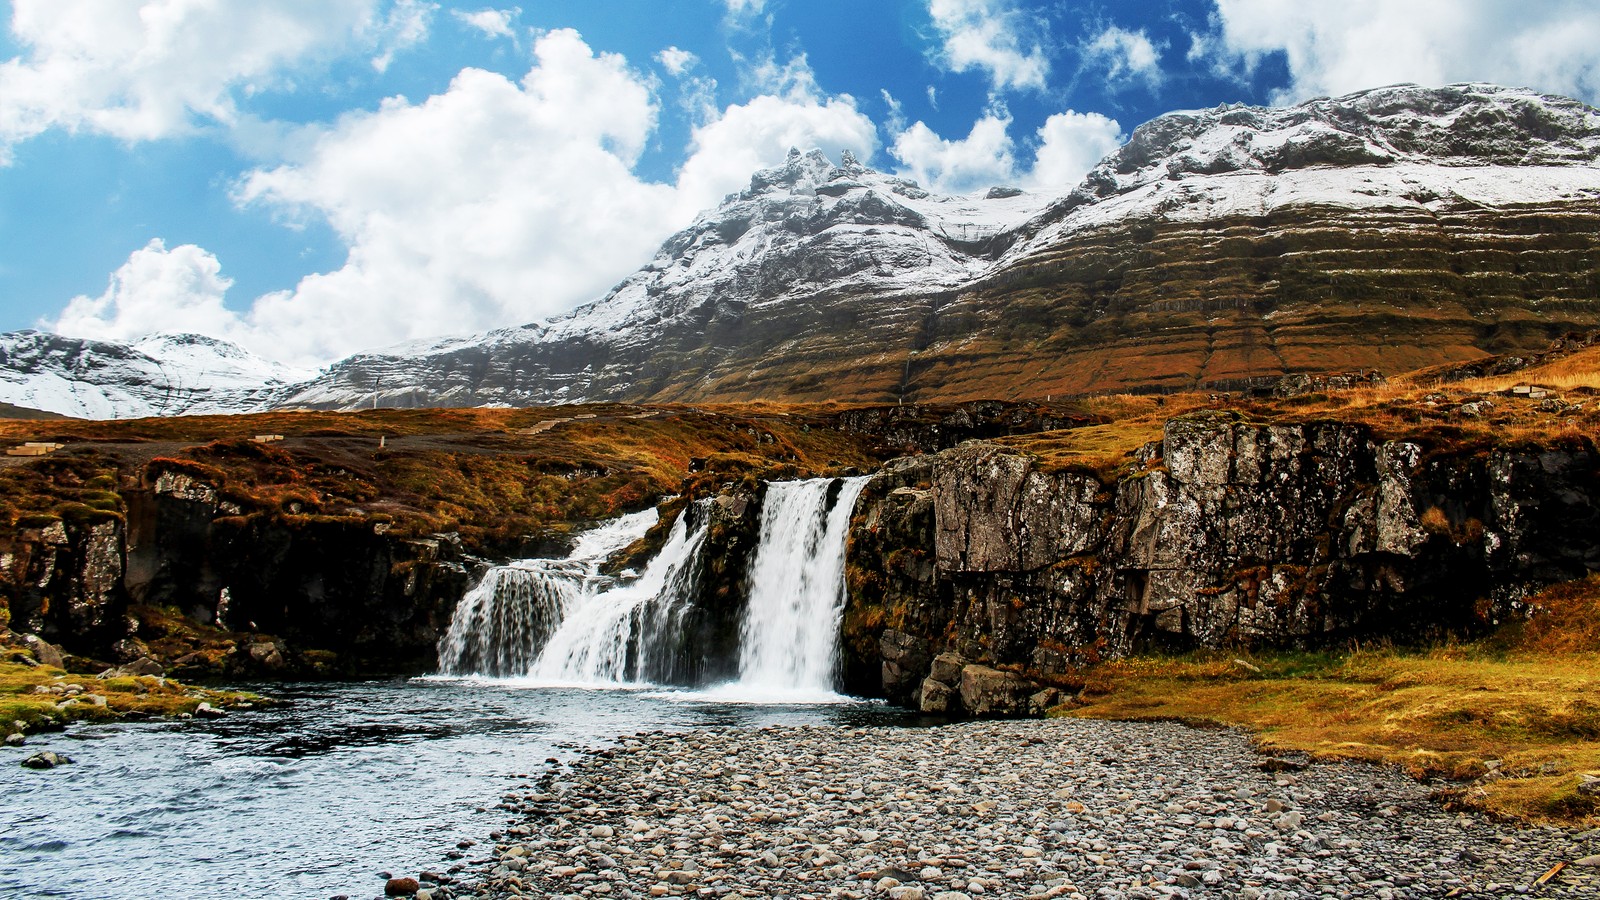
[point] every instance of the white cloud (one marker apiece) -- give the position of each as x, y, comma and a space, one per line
155, 290
493, 203
1126, 55
494, 23
676, 60
489, 204
1335, 48
1070, 144
760, 133
981, 159
988, 35
405, 27
746, 7
145, 70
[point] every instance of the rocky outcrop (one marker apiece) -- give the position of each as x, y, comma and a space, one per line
298, 594
1225, 533
64, 579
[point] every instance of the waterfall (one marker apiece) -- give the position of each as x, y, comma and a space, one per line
500, 626
630, 632
561, 622
789, 636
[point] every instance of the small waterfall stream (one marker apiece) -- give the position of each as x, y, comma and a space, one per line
789, 637
500, 626
626, 633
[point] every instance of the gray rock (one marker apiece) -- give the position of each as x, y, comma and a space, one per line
46, 759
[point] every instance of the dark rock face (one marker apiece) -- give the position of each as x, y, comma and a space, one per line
1231, 534
701, 646
66, 581
376, 602
336, 585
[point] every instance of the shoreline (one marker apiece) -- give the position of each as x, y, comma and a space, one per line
1034, 808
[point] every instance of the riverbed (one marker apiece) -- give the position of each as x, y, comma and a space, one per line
319, 796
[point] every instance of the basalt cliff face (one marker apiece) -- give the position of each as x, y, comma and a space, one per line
1391, 229
294, 595
976, 579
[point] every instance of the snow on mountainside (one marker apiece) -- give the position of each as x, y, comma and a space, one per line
824, 280
1399, 146
163, 374
803, 228
808, 231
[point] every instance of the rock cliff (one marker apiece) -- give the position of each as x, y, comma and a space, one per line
294, 595
977, 578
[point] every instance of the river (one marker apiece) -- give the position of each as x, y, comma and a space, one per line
318, 796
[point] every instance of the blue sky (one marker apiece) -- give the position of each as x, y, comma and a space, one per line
315, 177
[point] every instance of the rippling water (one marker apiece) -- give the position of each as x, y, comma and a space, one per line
314, 798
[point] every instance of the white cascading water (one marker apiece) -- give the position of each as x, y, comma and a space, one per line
500, 626
789, 637
619, 635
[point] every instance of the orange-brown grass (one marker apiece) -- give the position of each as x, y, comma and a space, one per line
1513, 721
490, 474
1105, 449
1579, 370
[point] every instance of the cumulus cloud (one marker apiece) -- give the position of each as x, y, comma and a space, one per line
157, 289
1070, 144
981, 159
1335, 48
145, 70
492, 203
494, 23
1125, 55
987, 35
760, 133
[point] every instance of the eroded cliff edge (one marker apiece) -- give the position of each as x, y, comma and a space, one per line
979, 578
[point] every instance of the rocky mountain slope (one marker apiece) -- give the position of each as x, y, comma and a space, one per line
1393, 229
162, 375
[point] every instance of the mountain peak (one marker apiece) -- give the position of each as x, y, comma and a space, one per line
1459, 124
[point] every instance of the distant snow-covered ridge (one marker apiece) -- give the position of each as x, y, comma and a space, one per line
772, 279
161, 375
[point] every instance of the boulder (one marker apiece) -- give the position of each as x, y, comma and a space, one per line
46, 653
936, 697
401, 887
992, 692
46, 759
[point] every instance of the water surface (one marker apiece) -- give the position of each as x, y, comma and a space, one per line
319, 796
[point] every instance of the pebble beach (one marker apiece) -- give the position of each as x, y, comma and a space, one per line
1020, 809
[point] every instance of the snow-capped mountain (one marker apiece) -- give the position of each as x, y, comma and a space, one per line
1393, 228
802, 233
163, 374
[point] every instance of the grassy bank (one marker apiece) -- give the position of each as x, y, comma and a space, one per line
43, 698
1509, 725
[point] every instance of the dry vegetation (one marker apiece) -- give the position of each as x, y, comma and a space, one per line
491, 475
1511, 724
